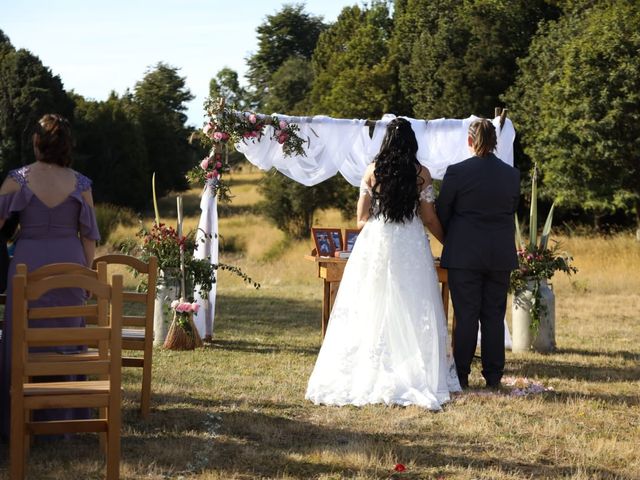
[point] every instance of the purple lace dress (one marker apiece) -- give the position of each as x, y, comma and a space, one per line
47, 235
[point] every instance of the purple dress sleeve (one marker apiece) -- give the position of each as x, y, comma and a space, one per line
88, 222
15, 201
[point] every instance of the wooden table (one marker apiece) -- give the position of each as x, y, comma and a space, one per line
330, 270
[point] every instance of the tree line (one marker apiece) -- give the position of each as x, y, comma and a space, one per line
119, 142
568, 70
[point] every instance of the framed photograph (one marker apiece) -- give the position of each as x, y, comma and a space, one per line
350, 237
327, 241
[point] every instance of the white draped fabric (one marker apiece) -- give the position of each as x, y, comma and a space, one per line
344, 146
207, 246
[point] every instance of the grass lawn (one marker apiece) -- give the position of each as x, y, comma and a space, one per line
236, 410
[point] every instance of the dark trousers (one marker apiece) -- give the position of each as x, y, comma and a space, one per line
479, 295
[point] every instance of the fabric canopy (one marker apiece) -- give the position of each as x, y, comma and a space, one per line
339, 145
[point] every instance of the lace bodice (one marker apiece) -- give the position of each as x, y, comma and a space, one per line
427, 194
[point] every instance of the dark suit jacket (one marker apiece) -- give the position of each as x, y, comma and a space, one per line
476, 206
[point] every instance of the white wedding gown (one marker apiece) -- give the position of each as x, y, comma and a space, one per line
387, 336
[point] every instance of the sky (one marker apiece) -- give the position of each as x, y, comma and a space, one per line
101, 46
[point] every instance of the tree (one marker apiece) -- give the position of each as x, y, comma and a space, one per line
110, 149
28, 90
159, 102
353, 74
226, 85
456, 58
291, 205
289, 33
577, 106
289, 87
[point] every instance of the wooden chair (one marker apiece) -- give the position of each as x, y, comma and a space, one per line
137, 333
104, 362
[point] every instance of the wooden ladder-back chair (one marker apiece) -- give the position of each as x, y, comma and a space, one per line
137, 333
104, 362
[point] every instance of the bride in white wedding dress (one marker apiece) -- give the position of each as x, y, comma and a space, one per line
387, 336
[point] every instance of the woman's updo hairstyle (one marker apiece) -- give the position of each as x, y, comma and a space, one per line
53, 140
483, 137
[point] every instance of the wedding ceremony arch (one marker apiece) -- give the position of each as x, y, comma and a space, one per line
310, 150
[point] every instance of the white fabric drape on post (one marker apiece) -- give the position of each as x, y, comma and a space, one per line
344, 146
207, 246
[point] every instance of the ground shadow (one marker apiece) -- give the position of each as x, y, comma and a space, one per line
550, 368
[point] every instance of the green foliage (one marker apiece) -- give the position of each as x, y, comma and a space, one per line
290, 205
110, 149
289, 87
354, 76
456, 58
109, 216
159, 103
289, 33
226, 85
28, 90
577, 106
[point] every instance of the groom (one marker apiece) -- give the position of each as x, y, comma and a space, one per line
476, 206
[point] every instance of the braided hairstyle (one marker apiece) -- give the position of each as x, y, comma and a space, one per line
53, 139
395, 193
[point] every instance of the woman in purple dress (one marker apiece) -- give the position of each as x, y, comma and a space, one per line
57, 224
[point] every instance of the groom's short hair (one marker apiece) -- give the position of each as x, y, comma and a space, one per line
483, 137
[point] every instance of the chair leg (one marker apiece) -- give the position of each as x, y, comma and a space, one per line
145, 396
103, 437
17, 453
113, 445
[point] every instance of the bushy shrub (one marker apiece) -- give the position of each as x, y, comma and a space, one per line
110, 216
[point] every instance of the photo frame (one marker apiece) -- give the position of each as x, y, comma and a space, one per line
327, 241
350, 237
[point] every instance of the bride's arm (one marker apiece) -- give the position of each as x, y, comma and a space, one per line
364, 201
427, 209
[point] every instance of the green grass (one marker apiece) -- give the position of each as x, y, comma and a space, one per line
236, 410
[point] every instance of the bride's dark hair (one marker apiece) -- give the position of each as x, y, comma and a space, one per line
395, 193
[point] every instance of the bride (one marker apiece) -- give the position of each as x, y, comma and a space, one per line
387, 335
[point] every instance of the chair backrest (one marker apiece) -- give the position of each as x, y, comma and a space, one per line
107, 310
149, 269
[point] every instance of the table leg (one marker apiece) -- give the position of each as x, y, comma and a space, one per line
326, 306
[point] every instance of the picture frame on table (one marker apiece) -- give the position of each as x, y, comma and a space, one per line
325, 241
350, 237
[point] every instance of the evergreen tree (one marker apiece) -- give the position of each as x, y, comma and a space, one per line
110, 149
354, 76
159, 100
456, 58
577, 106
289, 33
28, 90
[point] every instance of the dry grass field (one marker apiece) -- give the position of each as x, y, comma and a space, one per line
236, 410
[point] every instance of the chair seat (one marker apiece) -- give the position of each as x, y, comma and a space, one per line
67, 388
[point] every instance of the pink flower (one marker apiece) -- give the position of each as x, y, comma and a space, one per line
215, 174
175, 303
283, 125
204, 164
207, 128
195, 307
529, 257
247, 134
217, 136
282, 138
224, 136
209, 175
218, 164
253, 118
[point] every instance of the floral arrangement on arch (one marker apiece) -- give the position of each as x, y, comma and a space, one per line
228, 126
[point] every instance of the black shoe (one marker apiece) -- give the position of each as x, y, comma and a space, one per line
464, 382
494, 385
